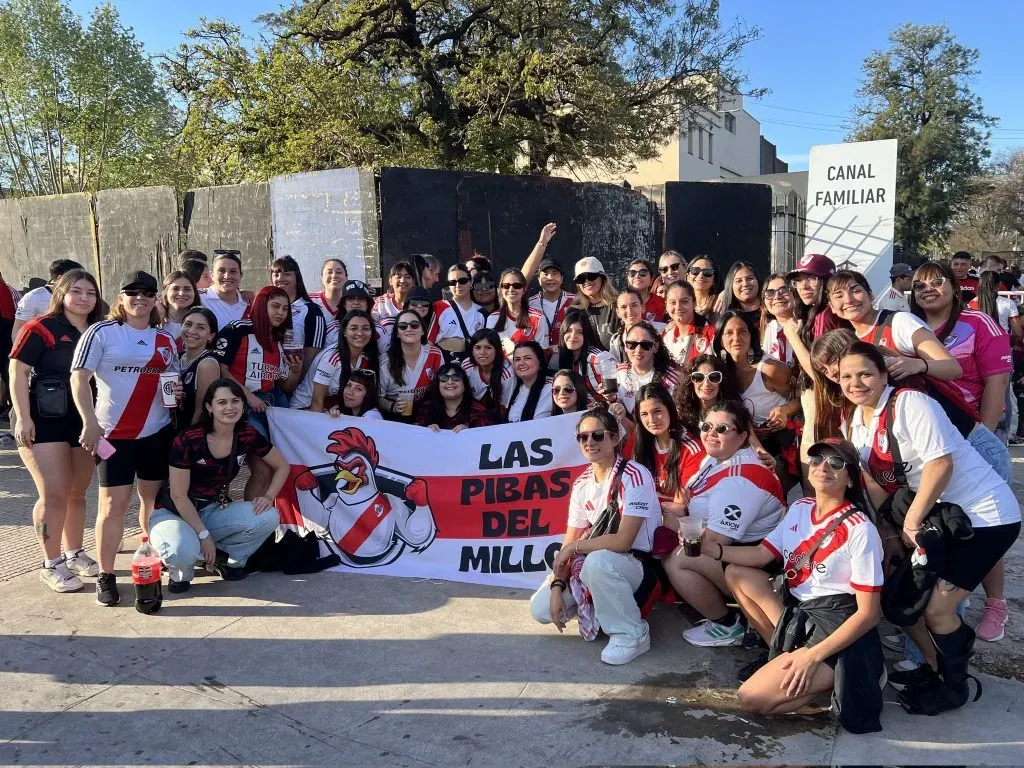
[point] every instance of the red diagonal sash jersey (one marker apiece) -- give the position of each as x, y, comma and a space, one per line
127, 363
256, 367
417, 378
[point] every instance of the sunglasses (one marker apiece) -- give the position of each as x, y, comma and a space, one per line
136, 292
670, 267
458, 281
445, 378
598, 435
833, 462
771, 293
638, 273
646, 346
923, 285
414, 325
512, 286
715, 377
484, 285
419, 305
587, 277
567, 389
697, 271
718, 429
361, 373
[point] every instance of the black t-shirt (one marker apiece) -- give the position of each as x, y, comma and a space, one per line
605, 323
47, 344
209, 476
189, 373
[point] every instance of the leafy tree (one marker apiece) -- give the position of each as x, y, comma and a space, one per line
498, 85
993, 219
80, 107
918, 91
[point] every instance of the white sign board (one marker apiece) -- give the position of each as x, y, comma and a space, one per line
851, 206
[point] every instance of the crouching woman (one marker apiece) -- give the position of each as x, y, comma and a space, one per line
195, 520
604, 571
822, 626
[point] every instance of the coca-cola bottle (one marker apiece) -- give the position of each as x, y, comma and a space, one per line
146, 573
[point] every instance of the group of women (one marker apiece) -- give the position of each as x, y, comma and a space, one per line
702, 401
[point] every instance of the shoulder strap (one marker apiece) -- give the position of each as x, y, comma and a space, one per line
798, 566
883, 321
458, 313
608, 522
894, 447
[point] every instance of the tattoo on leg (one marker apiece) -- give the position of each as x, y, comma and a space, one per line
41, 530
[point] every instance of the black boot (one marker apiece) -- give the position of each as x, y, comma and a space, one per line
949, 688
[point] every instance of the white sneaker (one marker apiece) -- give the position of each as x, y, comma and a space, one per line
60, 579
906, 665
711, 634
81, 564
622, 650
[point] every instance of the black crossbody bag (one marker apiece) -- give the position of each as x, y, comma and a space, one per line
780, 582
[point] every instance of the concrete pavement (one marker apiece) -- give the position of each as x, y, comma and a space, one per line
360, 670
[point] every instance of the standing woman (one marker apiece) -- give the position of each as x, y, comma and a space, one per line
688, 334
449, 403
647, 362
356, 350
308, 325
126, 355
48, 427
596, 297
703, 275
551, 301
568, 393
177, 296
744, 294
708, 383
199, 366
407, 368
629, 308
580, 351
530, 394
906, 440
458, 318
333, 276
777, 309
402, 279
489, 371
640, 276
224, 298
515, 321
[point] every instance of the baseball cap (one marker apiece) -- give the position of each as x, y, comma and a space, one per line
355, 289
139, 279
485, 281
418, 294
834, 446
589, 265
900, 270
817, 264
550, 264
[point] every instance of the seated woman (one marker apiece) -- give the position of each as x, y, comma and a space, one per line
613, 512
840, 600
742, 502
907, 442
355, 348
568, 393
529, 395
358, 395
579, 350
449, 403
709, 383
195, 516
407, 368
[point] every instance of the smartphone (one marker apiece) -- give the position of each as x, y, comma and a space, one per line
104, 449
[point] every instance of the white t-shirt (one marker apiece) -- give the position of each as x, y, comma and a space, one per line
924, 433
847, 562
448, 321
637, 498
893, 300
224, 312
127, 363
1006, 308
173, 327
515, 407
734, 506
904, 326
33, 304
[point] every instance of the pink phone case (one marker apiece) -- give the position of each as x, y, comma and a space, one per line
104, 449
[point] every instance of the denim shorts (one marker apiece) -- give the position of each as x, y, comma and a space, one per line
259, 421
992, 450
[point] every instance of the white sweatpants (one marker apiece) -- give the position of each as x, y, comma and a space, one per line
612, 578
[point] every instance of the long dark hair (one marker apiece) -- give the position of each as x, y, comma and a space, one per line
733, 303
288, 264
690, 407
662, 360
62, 287
829, 403
208, 316
566, 357
368, 379
755, 354
806, 314
494, 384
504, 310
537, 388
396, 360
582, 396
264, 332
434, 401
988, 291
927, 271
370, 351
645, 445
206, 418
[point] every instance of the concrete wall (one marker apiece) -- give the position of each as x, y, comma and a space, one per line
136, 229
238, 217
37, 230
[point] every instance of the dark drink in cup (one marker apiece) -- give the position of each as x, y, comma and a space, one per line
691, 530
691, 547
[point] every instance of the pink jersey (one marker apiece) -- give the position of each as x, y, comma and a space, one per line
982, 348
127, 364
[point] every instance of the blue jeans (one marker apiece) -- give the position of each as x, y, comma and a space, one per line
259, 421
992, 450
235, 529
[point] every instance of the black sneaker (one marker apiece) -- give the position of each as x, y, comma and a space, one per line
747, 670
229, 572
913, 678
177, 587
106, 590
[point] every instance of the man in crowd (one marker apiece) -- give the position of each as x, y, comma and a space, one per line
895, 299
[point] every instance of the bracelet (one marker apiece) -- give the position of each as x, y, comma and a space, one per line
558, 583
925, 371
576, 547
721, 553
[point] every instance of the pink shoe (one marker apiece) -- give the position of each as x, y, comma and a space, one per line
993, 619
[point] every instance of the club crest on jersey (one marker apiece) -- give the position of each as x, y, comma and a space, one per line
221, 345
701, 345
429, 373
882, 439
165, 355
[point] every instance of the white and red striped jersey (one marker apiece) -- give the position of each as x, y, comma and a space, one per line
224, 312
417, 378
384, 306
776, 345
553, 312
594, 360
447, 321
318, 299
478, 385
308, 326
637, 498
127, 364
684, 344
630, 382
254, 367
325, 369
847, 562
536, 328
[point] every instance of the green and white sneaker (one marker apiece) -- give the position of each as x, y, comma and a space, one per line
711, 634
81, 564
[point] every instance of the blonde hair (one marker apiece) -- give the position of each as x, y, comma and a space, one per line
608, 295
117, 313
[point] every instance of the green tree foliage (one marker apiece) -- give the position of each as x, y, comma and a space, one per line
80, 105
918, 91
492, 85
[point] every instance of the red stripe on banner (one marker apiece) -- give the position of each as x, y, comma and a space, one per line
365, 524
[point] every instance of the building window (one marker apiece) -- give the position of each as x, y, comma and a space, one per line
700, 143
730, 123
711, 146
689, 137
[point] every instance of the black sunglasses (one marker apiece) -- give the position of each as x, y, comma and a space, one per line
670, 267
444, 378
771, 293
414, 325
457, 281
715, 377
646, 346
136, 292
597, 434
420, 304
512, 286
568, 389
638, 273
834, 462
705, 272
587, 277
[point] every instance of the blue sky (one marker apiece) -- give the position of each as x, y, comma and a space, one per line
809, 56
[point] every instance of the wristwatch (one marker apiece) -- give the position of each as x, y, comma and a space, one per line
204, 534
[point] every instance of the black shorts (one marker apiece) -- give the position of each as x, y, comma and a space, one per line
145, 458
63, 430
968, 562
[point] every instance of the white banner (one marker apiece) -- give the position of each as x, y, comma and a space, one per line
851, 206
487, 505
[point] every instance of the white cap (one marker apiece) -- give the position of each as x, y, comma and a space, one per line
589, 264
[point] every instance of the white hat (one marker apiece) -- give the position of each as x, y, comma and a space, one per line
589, 264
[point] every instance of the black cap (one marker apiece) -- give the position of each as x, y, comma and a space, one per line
355, 289
139, 279
550, 264
418, 294
835, 446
